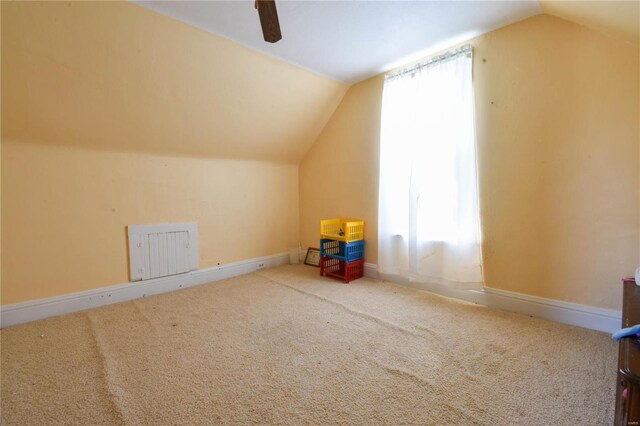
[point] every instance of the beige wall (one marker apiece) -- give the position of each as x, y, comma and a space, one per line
114, 115
557, 109
617, 17
339, 175
116, 76
64, 212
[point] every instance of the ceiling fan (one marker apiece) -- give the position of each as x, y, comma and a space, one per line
269, 20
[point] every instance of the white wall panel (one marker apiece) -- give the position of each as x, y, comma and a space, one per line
162, 250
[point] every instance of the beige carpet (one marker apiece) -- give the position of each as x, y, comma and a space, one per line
286, 346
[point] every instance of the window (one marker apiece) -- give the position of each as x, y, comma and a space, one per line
429, 226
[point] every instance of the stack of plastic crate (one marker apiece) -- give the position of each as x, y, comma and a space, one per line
342, 248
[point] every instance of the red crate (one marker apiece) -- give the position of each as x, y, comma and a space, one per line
340, 269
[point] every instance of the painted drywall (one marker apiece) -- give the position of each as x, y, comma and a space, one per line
65, 212
557, 108
339, 175
116, 76
114, 115
619, 18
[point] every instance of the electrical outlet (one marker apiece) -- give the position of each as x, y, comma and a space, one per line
260, 266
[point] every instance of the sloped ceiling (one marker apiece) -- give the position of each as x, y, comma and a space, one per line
351, 40
621, 18
115, 76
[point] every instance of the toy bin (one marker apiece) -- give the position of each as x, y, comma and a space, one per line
342, 251
345, 230
340, 269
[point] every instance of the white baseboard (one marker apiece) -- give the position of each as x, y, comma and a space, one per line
52, 306
371, 270
607, 320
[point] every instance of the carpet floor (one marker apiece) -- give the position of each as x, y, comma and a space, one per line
285, 346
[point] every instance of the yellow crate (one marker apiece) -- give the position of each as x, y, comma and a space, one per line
346, 230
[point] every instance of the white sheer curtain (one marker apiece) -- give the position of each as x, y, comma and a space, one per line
428, 218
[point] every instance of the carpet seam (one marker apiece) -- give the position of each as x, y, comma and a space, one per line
105, 376
352, 311
364, 315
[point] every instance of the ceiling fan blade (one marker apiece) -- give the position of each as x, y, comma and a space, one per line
269, 20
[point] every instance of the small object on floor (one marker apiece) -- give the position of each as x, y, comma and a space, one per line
342, 248
626, 332
313, 257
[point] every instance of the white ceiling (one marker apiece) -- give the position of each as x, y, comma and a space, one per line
351, 40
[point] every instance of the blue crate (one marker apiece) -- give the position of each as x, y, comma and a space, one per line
347, 252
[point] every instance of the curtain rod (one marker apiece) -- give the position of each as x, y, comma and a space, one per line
464, 50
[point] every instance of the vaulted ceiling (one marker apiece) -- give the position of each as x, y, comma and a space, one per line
351, 40
115, 76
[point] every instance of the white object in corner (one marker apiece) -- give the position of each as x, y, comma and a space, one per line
162, 250
43, 308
